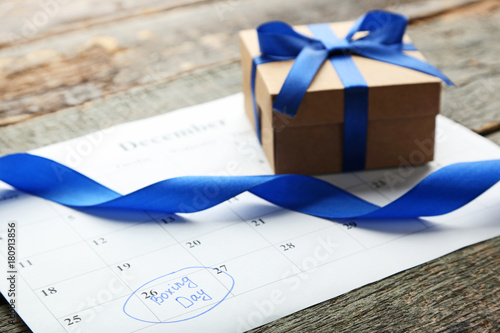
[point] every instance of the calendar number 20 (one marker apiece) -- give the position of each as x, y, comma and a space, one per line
193, 243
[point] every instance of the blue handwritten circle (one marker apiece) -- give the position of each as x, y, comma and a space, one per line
176, 321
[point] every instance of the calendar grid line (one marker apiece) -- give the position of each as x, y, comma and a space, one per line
369, 186
377, 190
125, 282
269, 246
235, 258
63, 219
51, 250
115, 263
38, 221
100, 304
142, 301
199, 262
305, 234
32, 197
228, 205
58, 216
124, 228
187, 312
329, 227
98, 255
244, 255
91, 307
422, 223
181, 315
395, 239
201, 234
272, 245
335, 260
189, 252
68, 279
160, 283
178, 242
43, 303
301, 272
352, 237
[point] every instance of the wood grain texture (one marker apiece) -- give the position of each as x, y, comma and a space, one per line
495, 137
28, 20
59, 71
142, 102
24, 21
464, 44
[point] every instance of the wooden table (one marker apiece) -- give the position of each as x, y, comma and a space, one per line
70, 68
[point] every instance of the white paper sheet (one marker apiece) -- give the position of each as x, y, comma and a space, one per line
236, 266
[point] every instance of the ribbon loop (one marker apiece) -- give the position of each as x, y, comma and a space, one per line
278, 41
383, 42
383, 27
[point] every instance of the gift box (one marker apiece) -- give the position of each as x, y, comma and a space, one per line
370, 103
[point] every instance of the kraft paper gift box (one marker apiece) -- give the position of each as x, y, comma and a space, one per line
402, 107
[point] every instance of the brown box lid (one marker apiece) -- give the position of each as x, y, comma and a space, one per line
394, 91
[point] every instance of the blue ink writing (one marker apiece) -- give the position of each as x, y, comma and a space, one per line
173, 288
188, 302
180, 295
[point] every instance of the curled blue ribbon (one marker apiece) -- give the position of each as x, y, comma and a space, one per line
383, 42
444, 191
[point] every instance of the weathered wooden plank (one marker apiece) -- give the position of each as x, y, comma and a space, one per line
462, 43
142, 102
429, 9
27, 20
495, 137
17, 326
42, 76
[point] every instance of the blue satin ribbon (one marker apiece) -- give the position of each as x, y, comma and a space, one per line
443, 191
384, 42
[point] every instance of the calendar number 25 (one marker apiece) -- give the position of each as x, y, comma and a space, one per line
71, 321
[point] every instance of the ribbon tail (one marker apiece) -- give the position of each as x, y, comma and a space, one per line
186, 194
303, 71
442, 192
61, 184
398, 58
384, 27
52, 181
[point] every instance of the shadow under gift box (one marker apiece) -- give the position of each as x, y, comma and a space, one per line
402, 107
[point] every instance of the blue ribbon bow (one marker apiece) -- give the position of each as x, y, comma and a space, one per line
383, 42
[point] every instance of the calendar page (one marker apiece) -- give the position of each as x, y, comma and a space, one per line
230, 268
